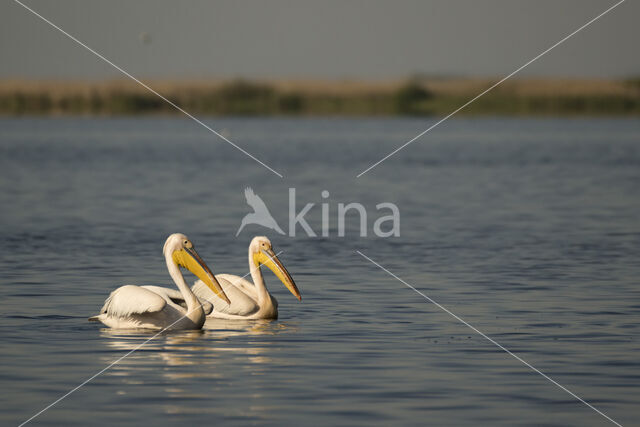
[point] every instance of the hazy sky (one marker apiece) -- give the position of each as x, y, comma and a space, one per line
334, 39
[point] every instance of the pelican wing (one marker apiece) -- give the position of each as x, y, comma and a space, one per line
255, 201
174, 296
241, 283
130, 299
242, 303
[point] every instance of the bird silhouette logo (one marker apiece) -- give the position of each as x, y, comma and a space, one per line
260, 214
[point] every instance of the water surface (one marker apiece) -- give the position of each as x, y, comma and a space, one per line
527, 229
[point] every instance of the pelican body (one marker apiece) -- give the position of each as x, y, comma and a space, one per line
153, 307
249, 300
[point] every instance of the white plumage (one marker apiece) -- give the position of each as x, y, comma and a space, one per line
249, 300
174, 296
245, 301
131, 299
153, 307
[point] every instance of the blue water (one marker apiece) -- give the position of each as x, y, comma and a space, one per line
527, 229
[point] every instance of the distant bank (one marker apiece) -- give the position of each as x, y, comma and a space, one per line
416, 96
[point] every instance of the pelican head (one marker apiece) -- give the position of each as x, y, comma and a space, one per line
263, 254
180, 250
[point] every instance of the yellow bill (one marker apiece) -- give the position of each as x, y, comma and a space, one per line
189, 259
269, 258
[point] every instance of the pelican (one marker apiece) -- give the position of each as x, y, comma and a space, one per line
249, 300
260, 214
153, 307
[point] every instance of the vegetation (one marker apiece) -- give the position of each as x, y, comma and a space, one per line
417, 96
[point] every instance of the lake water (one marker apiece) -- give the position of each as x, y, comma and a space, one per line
527, 229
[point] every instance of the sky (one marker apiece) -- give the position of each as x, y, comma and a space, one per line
317, 39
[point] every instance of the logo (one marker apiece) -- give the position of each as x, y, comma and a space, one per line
384, 225
260, 215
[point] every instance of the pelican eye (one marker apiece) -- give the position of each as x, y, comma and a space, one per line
187, 244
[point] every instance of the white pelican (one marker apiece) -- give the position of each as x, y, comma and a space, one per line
153, 307
249, 300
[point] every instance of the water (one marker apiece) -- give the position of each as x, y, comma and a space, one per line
527, 229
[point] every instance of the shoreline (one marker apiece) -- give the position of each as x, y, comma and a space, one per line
419, 96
